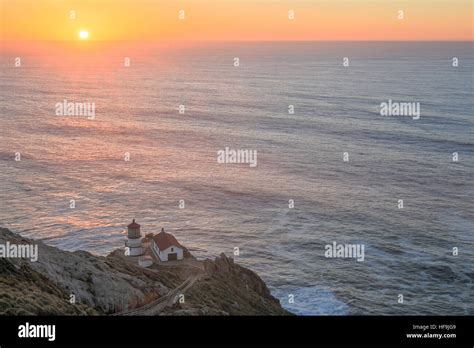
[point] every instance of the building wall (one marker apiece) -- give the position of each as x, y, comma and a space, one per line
135, 251
163, 255
155, 249
133, 243
134, 246
177, 250
145, 262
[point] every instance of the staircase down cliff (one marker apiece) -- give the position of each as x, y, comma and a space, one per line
79, 283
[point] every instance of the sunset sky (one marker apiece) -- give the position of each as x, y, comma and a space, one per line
106, 20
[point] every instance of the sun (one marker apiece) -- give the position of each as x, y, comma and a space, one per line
83, 35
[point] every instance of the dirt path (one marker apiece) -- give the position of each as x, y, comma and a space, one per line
155, 307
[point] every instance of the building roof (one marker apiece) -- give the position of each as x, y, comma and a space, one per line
134, 225
164, 240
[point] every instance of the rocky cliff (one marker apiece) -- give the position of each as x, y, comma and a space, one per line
79, 283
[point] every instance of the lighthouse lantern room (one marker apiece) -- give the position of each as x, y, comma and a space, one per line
134, 239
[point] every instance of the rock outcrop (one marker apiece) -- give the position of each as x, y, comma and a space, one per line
229, 289
79, 283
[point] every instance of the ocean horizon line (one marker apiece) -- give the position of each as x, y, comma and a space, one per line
236, 41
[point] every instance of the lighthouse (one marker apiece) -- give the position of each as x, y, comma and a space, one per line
134, 239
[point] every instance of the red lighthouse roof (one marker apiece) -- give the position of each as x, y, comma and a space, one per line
133, 225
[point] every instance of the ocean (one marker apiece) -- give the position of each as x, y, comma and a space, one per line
300, 160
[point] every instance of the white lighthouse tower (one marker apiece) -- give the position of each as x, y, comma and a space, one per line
134, 239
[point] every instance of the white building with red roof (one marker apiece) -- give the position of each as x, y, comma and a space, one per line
166, 247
